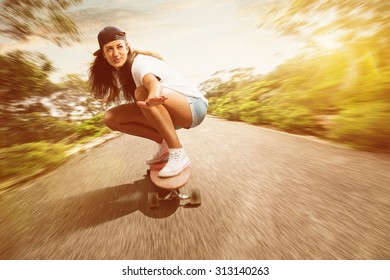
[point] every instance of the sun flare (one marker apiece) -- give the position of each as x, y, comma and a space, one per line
329, 42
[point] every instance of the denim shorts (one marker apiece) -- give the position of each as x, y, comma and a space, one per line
198, 110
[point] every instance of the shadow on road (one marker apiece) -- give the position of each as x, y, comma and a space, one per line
107, 204
90, 209
59, 218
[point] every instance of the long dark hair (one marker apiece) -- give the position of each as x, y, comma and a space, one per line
103, 78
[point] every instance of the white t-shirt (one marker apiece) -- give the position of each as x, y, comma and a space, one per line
169, 77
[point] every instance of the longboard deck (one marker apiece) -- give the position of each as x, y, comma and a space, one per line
170, 183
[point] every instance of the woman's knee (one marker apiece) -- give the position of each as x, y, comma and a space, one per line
109, 120
141, 93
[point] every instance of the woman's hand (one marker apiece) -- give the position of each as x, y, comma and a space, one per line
158, 100
154, 88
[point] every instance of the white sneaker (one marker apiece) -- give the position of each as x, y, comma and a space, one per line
177, 162
161, 155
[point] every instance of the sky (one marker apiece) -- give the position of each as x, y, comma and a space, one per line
197, 38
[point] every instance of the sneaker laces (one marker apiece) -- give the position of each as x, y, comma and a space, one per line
177, 162
173, 158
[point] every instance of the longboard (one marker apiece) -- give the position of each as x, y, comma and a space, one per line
173, 184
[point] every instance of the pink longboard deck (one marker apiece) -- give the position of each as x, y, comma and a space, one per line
170, 183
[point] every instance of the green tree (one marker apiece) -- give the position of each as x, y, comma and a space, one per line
355, 18
47, 19
73, 100
225, 81
24, 74
74, 81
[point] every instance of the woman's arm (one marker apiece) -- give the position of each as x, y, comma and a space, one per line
154, 88
152, 84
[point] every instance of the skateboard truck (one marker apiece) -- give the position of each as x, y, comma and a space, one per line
172, 184
176, 195
154, 199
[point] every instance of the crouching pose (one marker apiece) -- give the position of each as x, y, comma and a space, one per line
160, 100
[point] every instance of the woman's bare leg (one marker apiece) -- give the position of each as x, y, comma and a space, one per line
174, 111
129, 119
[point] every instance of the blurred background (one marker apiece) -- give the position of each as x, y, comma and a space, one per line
309, 67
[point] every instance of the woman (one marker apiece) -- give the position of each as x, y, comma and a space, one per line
159, 99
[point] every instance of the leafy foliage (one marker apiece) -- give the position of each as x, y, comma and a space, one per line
24, 74
36, 128
355, 18
39, 142
341, 95
30, 157
364, 125
32, 91
31, 137
338, 93
22, 19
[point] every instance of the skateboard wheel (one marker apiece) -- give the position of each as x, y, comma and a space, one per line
195, 197
153, 200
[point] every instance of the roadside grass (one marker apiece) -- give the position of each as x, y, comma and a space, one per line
25, 160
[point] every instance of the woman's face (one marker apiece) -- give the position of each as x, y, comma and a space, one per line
116, 53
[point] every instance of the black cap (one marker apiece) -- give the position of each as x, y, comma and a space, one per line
108, 34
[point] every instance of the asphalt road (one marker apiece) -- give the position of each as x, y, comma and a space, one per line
265, 195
